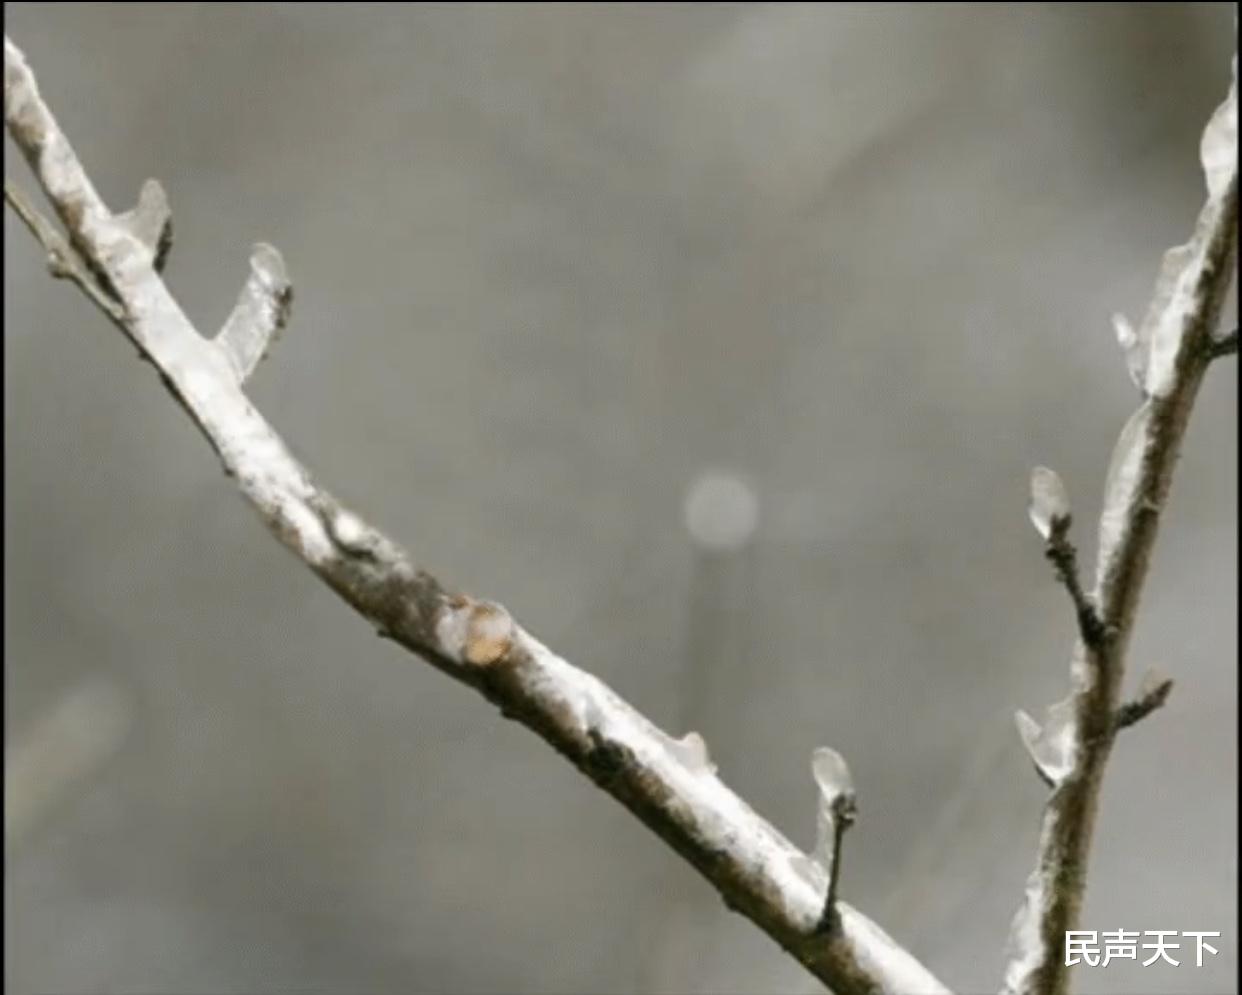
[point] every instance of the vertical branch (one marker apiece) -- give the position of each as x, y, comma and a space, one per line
1167, 358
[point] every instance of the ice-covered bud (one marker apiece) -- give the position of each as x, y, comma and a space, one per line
837, 803
1050, 506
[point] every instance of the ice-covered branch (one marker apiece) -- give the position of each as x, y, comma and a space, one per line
261, 312
838, 808
1167, 357
669, 784
150, 221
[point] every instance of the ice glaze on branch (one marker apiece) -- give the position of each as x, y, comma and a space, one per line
669, 784
1167, 358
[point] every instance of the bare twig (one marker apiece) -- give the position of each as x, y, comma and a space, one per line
843, 814
673, 790
261, 312
1226, 345
1153, 695
1063, 556
1167, 358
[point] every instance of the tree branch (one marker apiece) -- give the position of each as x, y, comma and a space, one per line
672, 790
1167, 358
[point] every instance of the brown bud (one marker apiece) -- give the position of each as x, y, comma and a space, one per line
489, 634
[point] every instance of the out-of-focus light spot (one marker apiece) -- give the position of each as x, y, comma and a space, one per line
721, 511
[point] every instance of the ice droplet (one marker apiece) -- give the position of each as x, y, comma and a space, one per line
1131, 348
691, 750
1124, 471
1127, 337
269, 265
831, 773
1052, 746
1049, 501
1218, 150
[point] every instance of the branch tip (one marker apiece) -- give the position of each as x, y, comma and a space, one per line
1226, 345
150, 221
1152, 695
838, 809
261, 313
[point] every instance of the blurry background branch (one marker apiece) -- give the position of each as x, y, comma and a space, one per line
69, 742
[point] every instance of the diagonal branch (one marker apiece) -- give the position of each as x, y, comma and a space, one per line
673, 790
1152, 695
1167, 357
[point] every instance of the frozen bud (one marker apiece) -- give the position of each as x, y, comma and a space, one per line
1127, 337
1132, 348
831, 773
1049, 507
489, 634
836, 800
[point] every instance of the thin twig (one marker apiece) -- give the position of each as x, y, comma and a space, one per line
844, 812
1063, 556
63, 261
1226, 345
1142, 706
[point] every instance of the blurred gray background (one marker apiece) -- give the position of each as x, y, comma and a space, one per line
553, 263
